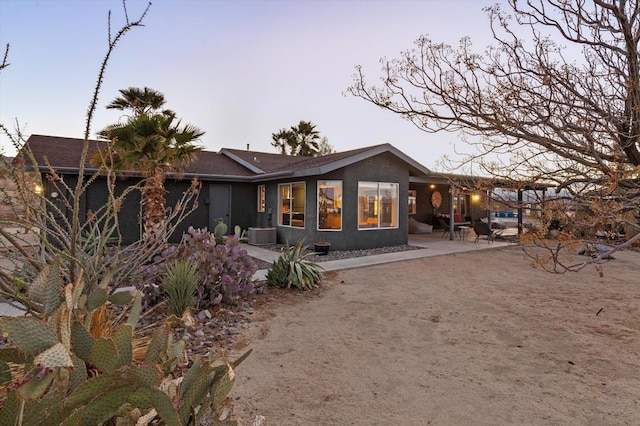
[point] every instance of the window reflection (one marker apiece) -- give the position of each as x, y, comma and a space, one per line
291, 204
377, 205
329, 205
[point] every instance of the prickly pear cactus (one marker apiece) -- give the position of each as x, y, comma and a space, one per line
220, 230
69, 376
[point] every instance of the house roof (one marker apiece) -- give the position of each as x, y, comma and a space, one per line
61, 153
276, 165
227, 164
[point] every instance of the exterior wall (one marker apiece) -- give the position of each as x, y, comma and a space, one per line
242, 210
198, 218
243, 207
130, 213
382, 168
94, 198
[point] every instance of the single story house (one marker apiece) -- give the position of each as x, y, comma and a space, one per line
355, 199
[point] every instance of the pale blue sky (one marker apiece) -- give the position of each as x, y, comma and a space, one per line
240, 70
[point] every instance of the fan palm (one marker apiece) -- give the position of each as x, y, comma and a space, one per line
306, 139
140, 101
154, 145
283, 140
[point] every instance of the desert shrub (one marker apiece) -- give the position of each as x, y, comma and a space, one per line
293, 268
74, 358
149, 277
225, 269
180, 283
81, 364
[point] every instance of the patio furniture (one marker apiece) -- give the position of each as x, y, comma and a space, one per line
416, 227
482, 230
446, 230
464, 232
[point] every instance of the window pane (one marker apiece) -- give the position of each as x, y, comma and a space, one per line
388, 205
329, 204
367, 205
284, 205
298, 191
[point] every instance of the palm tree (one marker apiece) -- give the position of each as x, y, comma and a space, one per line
282, 140
140, 101
152, 143
307, 139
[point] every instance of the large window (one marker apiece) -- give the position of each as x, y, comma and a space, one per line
377, 205
291, 200
330, 205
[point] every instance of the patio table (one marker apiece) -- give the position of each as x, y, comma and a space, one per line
464, 232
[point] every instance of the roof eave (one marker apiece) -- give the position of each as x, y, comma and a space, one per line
240, 160
381, 149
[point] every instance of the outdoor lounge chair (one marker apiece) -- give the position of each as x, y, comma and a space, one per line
416, 227
446, 230
482, 230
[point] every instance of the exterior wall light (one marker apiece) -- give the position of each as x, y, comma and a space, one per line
37, 189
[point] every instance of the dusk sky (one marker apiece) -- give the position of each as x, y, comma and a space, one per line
239, 70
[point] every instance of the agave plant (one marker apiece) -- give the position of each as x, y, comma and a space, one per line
293, 268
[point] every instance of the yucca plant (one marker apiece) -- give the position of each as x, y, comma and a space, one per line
293, 268
180, 283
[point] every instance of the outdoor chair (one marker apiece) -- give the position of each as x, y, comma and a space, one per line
416, 227
482, 230
445, 228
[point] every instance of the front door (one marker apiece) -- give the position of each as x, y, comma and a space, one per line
219, 205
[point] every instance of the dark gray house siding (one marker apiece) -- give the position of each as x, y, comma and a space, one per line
230, 181
94, 199
382, 168
129, 217
197, 218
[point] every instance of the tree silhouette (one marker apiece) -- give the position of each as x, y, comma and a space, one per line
564, 116
302, 139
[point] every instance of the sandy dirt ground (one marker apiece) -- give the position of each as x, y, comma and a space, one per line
476, 338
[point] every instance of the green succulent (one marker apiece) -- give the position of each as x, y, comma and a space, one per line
55, 354
180, 283
293, 268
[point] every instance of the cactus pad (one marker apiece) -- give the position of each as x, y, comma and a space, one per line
55, 356
30, 335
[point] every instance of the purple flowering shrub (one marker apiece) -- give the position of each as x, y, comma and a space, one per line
224, 269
